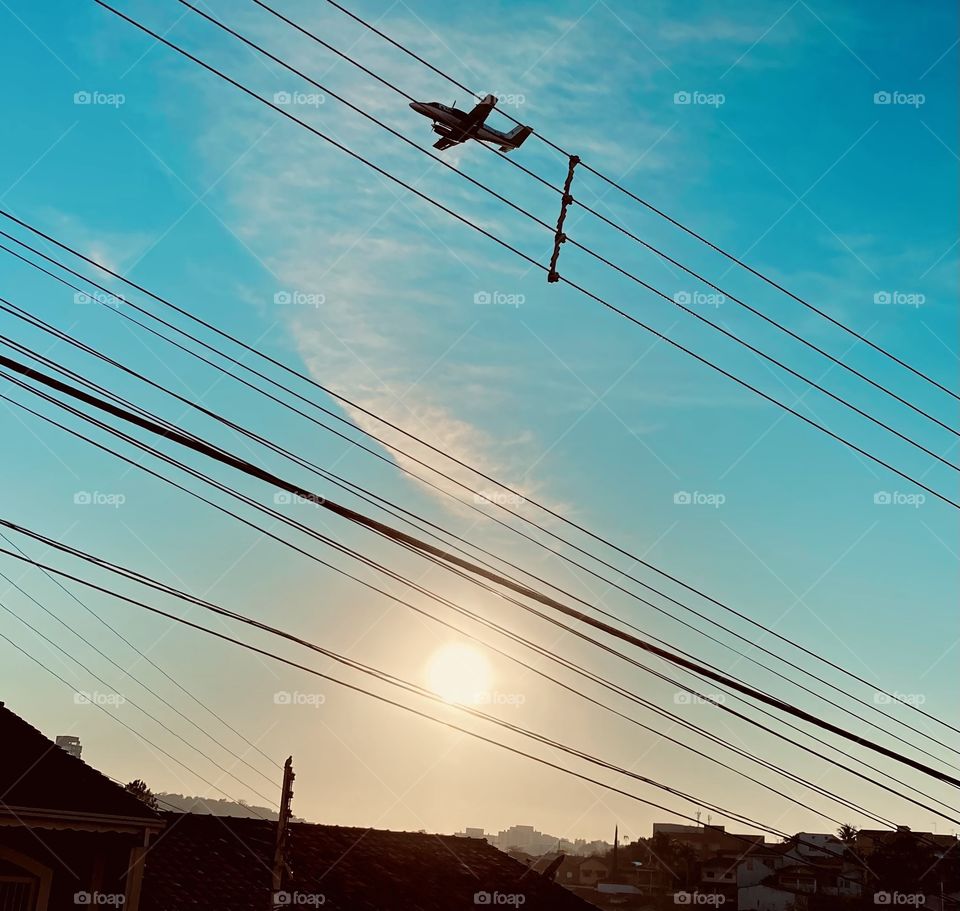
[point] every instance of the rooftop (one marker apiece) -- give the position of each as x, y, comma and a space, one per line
44, 777
215, 862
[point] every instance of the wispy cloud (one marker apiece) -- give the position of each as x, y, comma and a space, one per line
385, 334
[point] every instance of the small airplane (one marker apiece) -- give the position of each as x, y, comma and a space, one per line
455, 126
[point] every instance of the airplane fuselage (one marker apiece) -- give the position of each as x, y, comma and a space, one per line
448, 121
458, 126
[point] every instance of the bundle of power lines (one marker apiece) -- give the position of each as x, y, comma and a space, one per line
47, 391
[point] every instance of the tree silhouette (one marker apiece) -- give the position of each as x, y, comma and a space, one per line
139, 789
847, 834
909, 863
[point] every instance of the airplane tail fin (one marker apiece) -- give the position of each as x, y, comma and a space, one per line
516, 138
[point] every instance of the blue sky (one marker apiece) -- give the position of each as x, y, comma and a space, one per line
201, 194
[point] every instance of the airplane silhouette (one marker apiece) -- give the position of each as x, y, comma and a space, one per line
455, 126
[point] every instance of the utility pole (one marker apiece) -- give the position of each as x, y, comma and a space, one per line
281, 865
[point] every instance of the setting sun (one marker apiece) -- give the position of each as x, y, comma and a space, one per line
458, 673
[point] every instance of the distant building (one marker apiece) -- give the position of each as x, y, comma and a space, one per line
70, 744
524, 838
813, 845
528, 840
572, 871
568, 873
706, 841
588, 848
593, 870
719, 877
780, 877
870, 840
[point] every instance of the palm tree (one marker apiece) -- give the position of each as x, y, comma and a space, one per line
847, 834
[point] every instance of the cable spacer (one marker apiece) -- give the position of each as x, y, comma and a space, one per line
559, 237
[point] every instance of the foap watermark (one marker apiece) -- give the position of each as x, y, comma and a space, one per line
900, 299
488, 697
699, 498
99, 99
81, 697
498, 498
285, 697
699, 298
914, 699
285, 498
702, 99
684, 698
299, 99
698, 898
499, 299
914, 899
102, 899
99, 297
299, 899
901, 99
509, 99
299, 299
898, 498
509, 899
99, 498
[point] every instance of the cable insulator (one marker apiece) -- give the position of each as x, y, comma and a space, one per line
560, 237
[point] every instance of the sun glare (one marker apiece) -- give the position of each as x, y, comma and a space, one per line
458, 673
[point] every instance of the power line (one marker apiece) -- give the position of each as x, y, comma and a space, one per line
438, 451
306, 529
172, 807
145, 657
136, 705
650, 206
357, 666
923, 733
22, 314
839, 324
122, 670
400, 537
644, 601
578, 564
120, 721
559, 190
468, 732
514, 637
406, 685
646, 285
375, 500
248, 92
612, 307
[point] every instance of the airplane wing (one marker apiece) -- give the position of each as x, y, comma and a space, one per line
467, 127
478, 115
